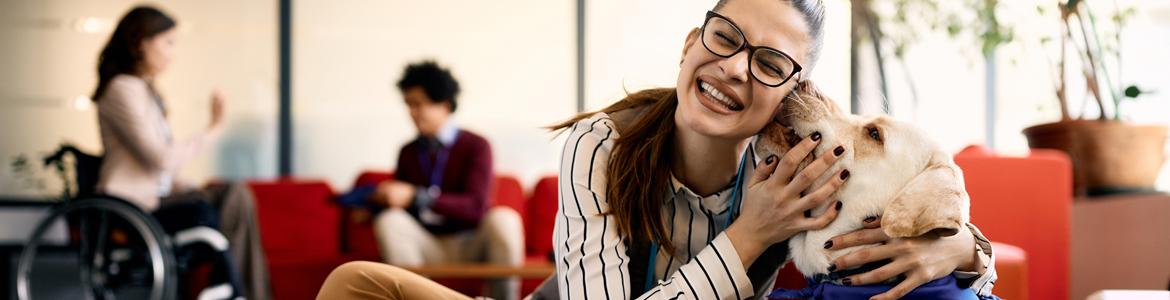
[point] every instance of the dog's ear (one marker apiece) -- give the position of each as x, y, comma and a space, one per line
935, 202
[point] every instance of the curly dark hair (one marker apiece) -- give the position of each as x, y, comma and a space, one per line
436, 81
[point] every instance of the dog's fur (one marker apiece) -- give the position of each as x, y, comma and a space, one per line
903, 176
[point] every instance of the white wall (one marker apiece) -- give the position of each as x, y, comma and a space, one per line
514, 59
49, 60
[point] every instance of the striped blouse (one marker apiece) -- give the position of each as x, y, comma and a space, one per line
592, 260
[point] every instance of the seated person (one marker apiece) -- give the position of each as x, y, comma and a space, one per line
142, 158
437, 208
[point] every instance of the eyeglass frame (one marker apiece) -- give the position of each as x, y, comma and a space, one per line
796, 68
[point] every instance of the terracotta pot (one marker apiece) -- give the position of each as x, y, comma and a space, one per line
1106, 155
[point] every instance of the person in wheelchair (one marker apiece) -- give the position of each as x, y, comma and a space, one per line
142, 157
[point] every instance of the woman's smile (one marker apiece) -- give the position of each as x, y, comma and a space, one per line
716, 96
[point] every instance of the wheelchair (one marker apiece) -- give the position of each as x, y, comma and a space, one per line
113, 249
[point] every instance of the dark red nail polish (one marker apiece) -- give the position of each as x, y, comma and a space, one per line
808, 213
832, 267
829, 244
870, 219
771, 159
839, 204
844, 174
816, 136
840, 150
847, 281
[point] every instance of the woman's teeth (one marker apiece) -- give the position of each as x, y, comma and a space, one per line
714, 94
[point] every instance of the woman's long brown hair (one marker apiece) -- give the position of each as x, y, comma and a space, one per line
639, 166
641, 158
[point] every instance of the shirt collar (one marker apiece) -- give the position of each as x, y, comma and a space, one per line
448, 133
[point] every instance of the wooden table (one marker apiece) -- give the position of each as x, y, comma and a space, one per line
1120, 242
531, 270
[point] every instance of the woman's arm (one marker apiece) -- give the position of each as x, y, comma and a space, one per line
919, 259
127, 109
592, 261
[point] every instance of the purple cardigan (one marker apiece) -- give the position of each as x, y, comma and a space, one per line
466, 184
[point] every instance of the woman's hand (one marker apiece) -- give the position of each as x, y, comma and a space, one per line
774, 208
919, 259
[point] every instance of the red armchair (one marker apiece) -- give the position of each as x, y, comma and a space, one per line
297, 263
1026, 202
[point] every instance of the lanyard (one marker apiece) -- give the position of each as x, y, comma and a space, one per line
731, 208
436, 171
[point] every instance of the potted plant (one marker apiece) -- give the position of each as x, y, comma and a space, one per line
1109, 155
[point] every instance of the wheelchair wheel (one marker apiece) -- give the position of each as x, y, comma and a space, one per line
118, 250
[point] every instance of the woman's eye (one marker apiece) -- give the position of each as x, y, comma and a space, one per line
770, 69
874, 134
726, 39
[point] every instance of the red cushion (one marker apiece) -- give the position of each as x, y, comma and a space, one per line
508, 192
299, 231
298, 218
542, 213
1025, 202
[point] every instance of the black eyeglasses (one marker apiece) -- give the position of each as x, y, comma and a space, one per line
768, 66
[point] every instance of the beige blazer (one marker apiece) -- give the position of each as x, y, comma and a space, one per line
141, 158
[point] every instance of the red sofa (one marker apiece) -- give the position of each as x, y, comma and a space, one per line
1015, 200
360, 243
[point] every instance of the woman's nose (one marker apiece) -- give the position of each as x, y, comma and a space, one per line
736, 66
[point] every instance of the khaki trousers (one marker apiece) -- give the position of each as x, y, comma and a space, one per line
371, 280
498, 240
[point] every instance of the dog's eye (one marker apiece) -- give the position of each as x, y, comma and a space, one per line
874, 133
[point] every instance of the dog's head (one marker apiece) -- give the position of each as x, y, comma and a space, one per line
894, 167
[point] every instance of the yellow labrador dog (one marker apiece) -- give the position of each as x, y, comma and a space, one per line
896, 172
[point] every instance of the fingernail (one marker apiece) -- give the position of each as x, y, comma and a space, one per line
847, 281
816, 136
829, 244
870, 219
844, 174
808, 213
771, 159
838, 151
839, 204
832, 267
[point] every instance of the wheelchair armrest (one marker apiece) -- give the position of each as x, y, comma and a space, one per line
204, 234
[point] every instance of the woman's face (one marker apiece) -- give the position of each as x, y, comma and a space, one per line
764, 23
157, 53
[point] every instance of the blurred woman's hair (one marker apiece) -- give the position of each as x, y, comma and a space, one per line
123, 53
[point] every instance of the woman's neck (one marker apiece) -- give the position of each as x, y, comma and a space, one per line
703, 163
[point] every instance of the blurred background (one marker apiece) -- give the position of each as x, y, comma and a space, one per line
520, 63
969, 72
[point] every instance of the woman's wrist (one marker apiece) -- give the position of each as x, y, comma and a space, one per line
746, 245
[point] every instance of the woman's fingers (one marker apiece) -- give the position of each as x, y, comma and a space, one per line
814, 170
794, 156
819, 196
822, 220
764, 170
890, 270
867, 236
872, 222
903, 288
865, 256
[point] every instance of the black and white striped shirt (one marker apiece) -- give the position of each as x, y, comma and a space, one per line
592, 261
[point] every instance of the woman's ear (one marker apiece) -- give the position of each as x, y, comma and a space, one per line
692, 37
